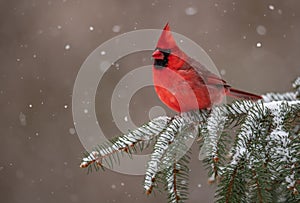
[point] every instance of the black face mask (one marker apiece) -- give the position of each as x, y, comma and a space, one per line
162, 63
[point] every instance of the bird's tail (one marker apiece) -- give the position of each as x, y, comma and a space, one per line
241, 94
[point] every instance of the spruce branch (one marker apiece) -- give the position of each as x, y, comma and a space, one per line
176, 180
170, 146
296, 86
109, 152
232, 188
251, 148
288, 96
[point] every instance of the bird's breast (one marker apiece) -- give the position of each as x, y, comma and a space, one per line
175, 89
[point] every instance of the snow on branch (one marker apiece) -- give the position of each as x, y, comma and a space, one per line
251, 148
176, 180
126, 143
161, 158
289, 96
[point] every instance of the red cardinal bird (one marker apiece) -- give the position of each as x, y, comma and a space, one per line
182, 83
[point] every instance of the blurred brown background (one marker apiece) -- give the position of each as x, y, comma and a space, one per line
255, 45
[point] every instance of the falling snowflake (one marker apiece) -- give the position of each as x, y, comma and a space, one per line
271, 7
22, 118
67, 47
261, 30
258, 44
116, 28
190, 11
72, 131
223, 72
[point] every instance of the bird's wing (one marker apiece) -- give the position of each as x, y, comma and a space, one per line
206, 76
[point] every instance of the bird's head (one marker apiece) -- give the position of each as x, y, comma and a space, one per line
167, 54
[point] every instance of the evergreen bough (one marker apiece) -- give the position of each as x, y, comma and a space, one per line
251, 150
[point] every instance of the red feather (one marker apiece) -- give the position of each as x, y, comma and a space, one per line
184, 84
166, 40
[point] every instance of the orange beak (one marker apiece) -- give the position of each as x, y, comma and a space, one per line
157, 55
